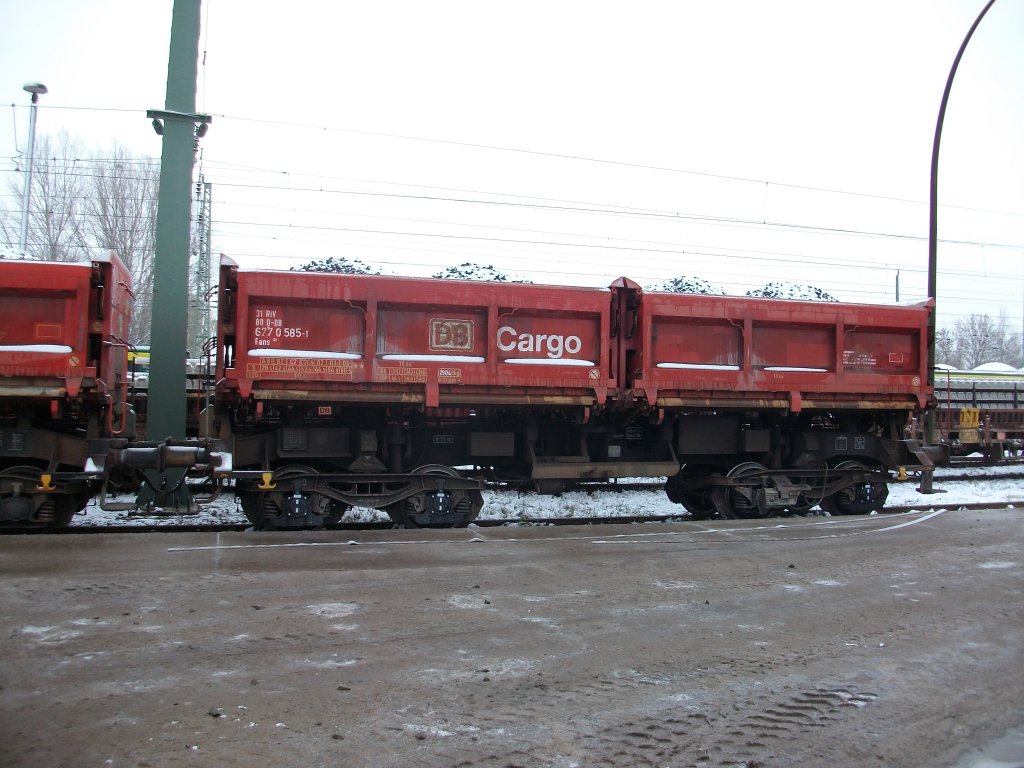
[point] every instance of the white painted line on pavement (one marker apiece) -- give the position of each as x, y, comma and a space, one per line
621, 538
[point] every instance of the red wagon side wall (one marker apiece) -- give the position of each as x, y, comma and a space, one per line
717, 351
374, 338
63, 326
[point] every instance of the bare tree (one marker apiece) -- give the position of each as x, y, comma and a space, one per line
84, 206
946, 351
983, 339
974, 339
54, 221
979, 339
1006, 343
120, 216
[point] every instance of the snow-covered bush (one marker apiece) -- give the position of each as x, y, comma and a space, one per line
687, 284
778, 290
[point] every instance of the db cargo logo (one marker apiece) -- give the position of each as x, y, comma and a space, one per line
552, 345
451, 335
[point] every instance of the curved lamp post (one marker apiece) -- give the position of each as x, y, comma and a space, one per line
933, 227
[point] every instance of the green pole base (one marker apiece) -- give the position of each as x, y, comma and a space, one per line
165, 493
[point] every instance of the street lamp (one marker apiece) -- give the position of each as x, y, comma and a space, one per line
933, 241
35, 89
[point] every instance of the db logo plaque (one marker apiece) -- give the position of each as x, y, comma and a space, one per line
451, 335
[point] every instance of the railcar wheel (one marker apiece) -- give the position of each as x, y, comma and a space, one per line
437, 508
288, 506
60, 510
687, 489
734, 503
856, 499
23, 507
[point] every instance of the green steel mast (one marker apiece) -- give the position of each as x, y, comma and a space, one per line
181, 128
177, 124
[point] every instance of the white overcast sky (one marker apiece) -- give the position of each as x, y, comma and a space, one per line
572, 142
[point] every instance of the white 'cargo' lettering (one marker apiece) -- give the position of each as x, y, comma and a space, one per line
552, 345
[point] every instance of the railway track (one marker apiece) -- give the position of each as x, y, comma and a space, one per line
974, 477
520, 506
176, 527
982, 461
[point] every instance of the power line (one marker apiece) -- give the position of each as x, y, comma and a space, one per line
585, 207
671, 249
556, 155
592, 209
603, 161
531, 197
622, 211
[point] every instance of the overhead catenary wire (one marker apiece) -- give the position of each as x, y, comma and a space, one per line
539, 153
228, 176
582, 207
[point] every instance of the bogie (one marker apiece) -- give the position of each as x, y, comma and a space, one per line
860, 496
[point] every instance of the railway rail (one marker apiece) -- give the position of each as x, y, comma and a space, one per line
984, 461
594, 492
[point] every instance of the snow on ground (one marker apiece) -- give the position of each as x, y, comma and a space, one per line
504, 505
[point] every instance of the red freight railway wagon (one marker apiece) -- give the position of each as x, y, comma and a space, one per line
750, 352
369, 390
62, 382
776, 405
